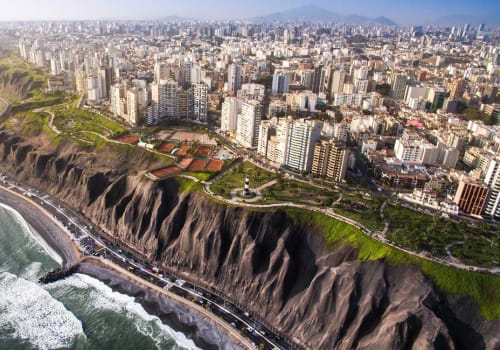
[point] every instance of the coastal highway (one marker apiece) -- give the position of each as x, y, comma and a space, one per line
94, 242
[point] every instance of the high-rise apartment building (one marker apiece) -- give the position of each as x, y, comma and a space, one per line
280, 82
184, 102
330, 159
247, 128
132, 106
457, 89
338, 80
302, 136
436, 98
200, 102
234, 74
398, 88
471, 196
231, 107
492, 180
164, 99
116, 96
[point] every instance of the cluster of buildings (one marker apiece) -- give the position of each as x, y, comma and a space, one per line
421, 105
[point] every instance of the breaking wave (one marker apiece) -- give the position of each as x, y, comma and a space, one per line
28, 312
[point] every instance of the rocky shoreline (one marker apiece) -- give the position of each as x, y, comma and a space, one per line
172, 313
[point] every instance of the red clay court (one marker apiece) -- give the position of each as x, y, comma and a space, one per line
198, 165
165, 172
183, 150
214, 165
204, 151
167, 147
185, 163
131, 139
186, 136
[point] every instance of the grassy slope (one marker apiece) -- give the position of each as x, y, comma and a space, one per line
483, 288
236, 179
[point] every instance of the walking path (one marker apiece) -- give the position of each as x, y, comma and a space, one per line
238, 201
256, 191
104, 137
378, 235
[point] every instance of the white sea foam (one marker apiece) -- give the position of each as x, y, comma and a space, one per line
32, 272
35, 316
104, 298
29, 231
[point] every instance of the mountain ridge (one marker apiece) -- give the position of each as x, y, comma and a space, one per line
311, 13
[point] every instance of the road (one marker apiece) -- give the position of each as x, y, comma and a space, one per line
95, 243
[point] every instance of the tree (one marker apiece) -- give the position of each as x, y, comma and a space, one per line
383, 89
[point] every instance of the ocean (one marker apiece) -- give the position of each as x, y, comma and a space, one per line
78, 312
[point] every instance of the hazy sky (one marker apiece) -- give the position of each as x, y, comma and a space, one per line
402, 11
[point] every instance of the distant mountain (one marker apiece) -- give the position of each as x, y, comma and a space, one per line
461, 19
304, 13
356, 19
384, 21
312, 13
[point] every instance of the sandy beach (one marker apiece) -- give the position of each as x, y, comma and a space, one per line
174, 313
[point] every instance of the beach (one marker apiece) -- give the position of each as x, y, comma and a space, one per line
195, 324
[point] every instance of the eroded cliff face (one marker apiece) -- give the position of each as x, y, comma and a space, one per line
16, 84
280, 270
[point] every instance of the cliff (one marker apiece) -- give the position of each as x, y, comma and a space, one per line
282, 269
15, 84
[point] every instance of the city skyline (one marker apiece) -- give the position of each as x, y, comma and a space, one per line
424, 12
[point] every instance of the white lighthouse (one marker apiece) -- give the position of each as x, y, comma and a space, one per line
247, 185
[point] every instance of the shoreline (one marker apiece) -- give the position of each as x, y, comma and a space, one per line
51, 231
177, 314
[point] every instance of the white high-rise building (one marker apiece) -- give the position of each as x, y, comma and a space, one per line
163, 97
361, 86
55, 67
200, 102
252, 91
492, 180
116, 96
408, 148
266, 130
94, 88
280, 82
282, 135
229, 117
133, 106
234, 77
197, 75
302, 136
338, 80
247, 128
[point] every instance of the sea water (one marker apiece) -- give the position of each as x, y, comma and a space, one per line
78, 312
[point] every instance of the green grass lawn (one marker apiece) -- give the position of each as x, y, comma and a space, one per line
483, 288
202, 176
235, 178
422, 232
299, 192
478, 251
14, 66
69, 119
361, 209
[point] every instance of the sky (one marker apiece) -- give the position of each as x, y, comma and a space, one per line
401, 11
